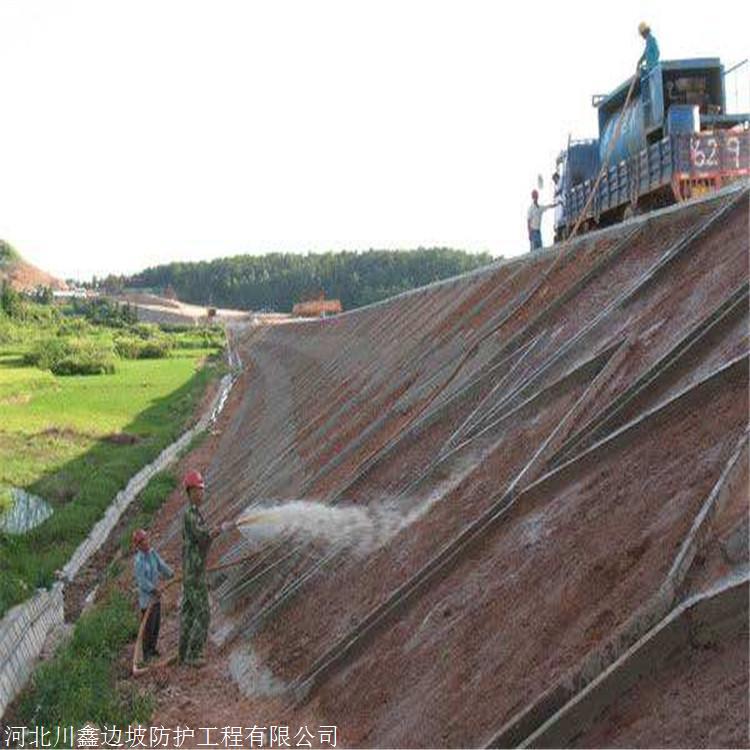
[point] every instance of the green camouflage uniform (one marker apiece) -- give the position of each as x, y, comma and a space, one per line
196, 540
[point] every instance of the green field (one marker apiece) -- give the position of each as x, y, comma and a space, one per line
56, 442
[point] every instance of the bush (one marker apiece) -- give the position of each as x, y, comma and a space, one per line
39, 315
201, 338
9, 332
176, 327
74, 327
47, 352
145, 330
143, 341
155, 349
10, 301
72, 356
129, 347
105, 312
85, 363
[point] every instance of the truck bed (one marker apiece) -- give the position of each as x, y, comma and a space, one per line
679, 166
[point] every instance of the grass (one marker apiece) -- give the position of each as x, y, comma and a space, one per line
33, 400
55, 441
69, 355
80, 684
6, 499
52, 443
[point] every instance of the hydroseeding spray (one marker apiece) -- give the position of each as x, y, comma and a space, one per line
360, 530
356, 530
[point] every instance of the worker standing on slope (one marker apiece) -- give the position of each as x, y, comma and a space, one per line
196, 541
650, 57
149, 569
534, 221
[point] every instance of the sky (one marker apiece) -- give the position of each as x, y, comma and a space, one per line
137, 133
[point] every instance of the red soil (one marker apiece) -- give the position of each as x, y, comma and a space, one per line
699, 699
562, 570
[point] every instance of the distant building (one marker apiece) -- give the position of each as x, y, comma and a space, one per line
317, 308
71, 294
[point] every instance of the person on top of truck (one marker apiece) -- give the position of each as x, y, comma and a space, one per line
650, 57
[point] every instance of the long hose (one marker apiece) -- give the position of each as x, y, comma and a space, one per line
137, 670
607, 157
138, 650
561, 253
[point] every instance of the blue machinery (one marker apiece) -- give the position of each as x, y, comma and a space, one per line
676, 141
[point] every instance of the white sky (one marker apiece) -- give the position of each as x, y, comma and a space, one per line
134, 133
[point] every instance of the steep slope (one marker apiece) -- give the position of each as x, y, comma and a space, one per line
562, 442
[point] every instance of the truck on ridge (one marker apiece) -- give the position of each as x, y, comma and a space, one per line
676, 141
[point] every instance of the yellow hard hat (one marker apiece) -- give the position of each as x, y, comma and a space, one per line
643, 27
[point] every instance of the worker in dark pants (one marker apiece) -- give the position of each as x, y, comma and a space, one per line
149, 568
196, 542
534, 221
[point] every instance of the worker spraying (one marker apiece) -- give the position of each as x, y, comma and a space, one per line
150, 569
196, 542
346, 527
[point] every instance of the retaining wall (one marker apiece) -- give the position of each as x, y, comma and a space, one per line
22, 634
25, 628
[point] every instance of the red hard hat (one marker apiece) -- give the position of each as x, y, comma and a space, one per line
534, 194
193, 479
139, 535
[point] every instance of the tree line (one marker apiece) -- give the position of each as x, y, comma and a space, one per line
277, 281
